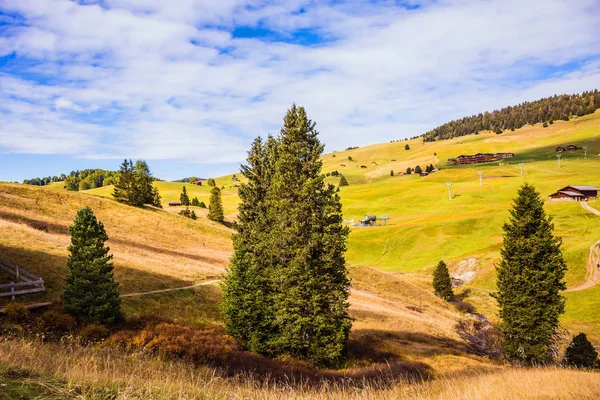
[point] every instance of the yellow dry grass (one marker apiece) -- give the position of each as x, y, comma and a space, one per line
78, 372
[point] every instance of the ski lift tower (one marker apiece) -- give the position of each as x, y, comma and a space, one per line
480, 173
558, 157
585, 151
448, 184
385, 219
521, 167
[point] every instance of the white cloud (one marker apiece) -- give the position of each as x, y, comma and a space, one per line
167, 80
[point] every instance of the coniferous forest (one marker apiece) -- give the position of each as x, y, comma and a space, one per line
546, 111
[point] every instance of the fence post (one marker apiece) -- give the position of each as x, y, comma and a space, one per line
17, 273
12, 290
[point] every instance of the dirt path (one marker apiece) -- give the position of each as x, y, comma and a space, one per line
592, 277
205, 283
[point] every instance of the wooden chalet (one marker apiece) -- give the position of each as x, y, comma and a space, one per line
480, 158
560, 149
174, 203
572, 147
576, 193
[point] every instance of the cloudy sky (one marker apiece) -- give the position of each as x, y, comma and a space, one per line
187, 84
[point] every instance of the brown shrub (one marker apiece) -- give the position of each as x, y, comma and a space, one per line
16, 313
483, 339
206, 346
93, 333
55, 322
464, 307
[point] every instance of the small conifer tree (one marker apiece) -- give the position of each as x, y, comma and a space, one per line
202, 205
530, 279
442, 284
406, 147
195, 202
343, 181
581, 353
211, 182
392, 173
215, 207
184, 199
91, 293
156, 199
408, 171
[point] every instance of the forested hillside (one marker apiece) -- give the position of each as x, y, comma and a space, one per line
546, 111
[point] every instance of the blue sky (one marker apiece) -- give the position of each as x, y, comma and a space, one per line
187, 84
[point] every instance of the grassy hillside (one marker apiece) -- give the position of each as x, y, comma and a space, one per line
170, 191
152, 249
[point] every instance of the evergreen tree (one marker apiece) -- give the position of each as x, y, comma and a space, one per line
193, 215
124, 181
530, 278
211, 182
184, 199
143, 190
290, 246
408, 171
442, 284
343, 181
156, 199
215, 206
246, 287
581, 353
418, 169
202, 205
90, 293
392, 173
195, 202
406, 147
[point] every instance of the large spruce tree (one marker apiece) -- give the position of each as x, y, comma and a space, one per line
90, 293
184, 199
530, 278
247, 286
288, 276
442, 284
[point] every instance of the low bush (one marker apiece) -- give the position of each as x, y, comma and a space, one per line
482, 338
206, 346
16, 313
464, 307
56, 323
93, 333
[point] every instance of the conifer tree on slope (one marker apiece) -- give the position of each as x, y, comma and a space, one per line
308, 241
184, 199
124, 182
91, 293
298, 258
442, 284
215, 206
530, 278
246, 287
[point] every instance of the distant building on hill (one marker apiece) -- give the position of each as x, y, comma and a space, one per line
480, 158
576, 193
174, 204
571, 147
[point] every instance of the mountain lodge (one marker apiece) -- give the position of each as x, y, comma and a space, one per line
576, 193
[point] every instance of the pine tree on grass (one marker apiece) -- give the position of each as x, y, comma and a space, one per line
530, 278
343, 181
215, 206
442, 284
581, 353
287, 286
156, 199
184, 199
91, 293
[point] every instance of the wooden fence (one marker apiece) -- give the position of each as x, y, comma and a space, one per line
26, 281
